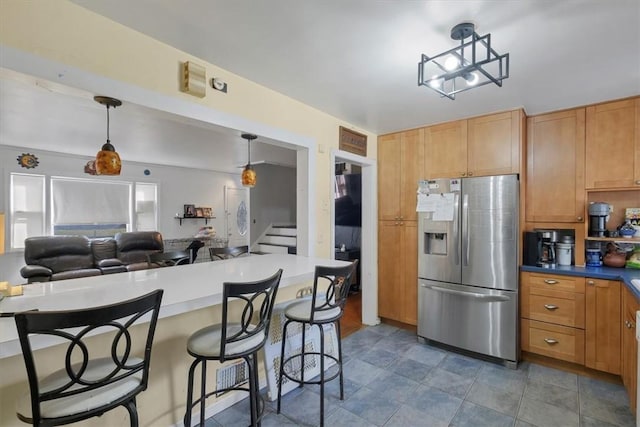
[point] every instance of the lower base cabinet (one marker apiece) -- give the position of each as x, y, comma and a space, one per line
398, 271
603, 304
629, 345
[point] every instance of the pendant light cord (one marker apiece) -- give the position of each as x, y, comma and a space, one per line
108, 124
248, 152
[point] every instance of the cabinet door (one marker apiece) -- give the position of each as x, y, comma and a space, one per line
493, 144
411, 170
613, 145
389, 270
629, 345
409, 261
602, 329
389, 154
446, 150
555, 167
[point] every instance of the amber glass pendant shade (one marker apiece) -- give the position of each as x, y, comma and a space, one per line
108, 160
249, 177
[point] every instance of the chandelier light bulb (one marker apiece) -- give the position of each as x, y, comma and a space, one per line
435, 83
471, 78
451, 63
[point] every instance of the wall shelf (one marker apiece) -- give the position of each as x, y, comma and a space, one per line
206, 218
615, 239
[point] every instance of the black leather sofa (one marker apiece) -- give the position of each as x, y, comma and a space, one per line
66, 257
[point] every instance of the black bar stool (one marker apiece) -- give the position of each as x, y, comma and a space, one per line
242, 333
88, 386
326, 306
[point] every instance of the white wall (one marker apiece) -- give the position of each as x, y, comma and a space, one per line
273, 199
176, 186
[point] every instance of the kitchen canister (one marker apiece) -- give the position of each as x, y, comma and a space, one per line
594, 258
563, 253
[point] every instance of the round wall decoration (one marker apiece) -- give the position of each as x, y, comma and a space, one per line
28, 161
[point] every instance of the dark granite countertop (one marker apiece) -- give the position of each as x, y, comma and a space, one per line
625, 275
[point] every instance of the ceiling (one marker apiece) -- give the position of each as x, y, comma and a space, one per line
357, 59
354, 59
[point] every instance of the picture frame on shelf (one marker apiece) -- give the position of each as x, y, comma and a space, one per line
189, 211
199, 213
207, 212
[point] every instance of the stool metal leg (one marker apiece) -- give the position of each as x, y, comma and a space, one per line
338, 335
302, 358
187, 414
321, 375
256, 391
203, 391
284, 338
133, 412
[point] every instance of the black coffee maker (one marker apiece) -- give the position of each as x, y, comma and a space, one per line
547, 240
598, 216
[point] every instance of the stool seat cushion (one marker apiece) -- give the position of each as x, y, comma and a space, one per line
206, 341
97, 370
301, 312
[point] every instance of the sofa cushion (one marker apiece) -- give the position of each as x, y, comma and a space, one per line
133, 247
103, 249
74, 274
59, 253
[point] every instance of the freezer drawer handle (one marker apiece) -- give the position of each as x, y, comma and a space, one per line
550, 281
551, 307
550, 341
485, 297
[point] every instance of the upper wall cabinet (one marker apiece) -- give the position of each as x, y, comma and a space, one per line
613, 145
400, 166
482, 146
555, 167
446, 150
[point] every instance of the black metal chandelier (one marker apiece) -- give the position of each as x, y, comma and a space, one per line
472, 64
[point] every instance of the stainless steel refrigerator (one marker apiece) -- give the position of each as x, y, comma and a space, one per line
468, 265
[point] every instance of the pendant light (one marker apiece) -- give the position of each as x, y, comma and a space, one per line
108, 160
248, 174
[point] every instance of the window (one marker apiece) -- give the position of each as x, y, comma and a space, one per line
146, 207
27, 208
90, 207
84, 206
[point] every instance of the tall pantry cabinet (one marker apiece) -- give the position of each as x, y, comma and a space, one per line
400, 166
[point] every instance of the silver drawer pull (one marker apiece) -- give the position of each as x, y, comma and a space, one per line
551, 307
550, 341
550, 281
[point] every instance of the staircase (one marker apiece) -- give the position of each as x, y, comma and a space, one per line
278, 239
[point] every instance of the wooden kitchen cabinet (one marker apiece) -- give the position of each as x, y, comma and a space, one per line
446, 150
555, 189
613, 145
494, 144
400, 166
481, 146
398, 270
553, 316
602, 329
629, 345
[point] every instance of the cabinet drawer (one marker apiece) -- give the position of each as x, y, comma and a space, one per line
560, 283
555, 341
561, 311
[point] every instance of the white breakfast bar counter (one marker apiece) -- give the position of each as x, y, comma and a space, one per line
191, 300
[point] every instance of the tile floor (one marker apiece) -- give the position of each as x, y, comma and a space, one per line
392, 380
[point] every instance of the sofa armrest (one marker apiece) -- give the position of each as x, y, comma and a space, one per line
110, 262
29, 271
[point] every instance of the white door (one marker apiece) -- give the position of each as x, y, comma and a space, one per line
236, 206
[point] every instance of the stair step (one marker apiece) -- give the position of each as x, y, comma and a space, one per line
283, 231
273, 249
273, 239
284, 226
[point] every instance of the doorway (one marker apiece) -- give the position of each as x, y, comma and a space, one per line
368, 235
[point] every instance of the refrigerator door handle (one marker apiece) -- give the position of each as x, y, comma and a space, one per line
484, 297
456, 228
465, 228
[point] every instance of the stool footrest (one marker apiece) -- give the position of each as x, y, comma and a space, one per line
290, 359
